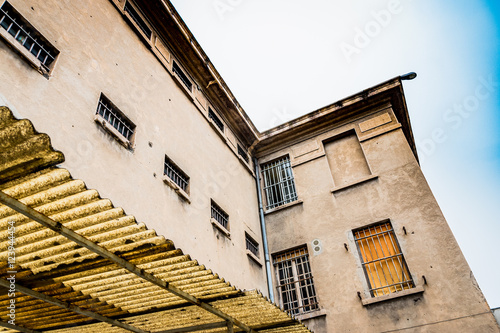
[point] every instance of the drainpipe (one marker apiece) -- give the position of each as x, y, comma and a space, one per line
264, 235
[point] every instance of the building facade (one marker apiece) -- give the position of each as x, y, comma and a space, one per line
353, 230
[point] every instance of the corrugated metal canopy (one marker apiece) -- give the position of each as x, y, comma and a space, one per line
129, 276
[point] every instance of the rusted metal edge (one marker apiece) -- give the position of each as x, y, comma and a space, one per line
82, 241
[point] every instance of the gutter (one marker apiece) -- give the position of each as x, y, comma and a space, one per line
264, 234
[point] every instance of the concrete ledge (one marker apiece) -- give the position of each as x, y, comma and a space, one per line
290, 204
113, 131
408, 292
176, 188
217, 129
254, 257
357, 182
311, 315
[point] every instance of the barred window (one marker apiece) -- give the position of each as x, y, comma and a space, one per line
215, 119
252, 245
295, 281
383, 262
219, 215
115, 118
26, 35
172, 171
279, 185
182, 76
243, 153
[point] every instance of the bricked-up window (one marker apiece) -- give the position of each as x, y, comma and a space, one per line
215, 119
137, 19
295, 281
115, 118
219, 215
252, 245
172, 171
180, 73
279, 185
26, 35
383, 262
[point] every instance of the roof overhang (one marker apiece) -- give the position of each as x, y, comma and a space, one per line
339, 112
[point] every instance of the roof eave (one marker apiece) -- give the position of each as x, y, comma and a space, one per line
390, 91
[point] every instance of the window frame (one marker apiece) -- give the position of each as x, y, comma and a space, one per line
180, 189
104, 122
215, 119
374, 290
30, 32
269, 186
297, 283
254, 249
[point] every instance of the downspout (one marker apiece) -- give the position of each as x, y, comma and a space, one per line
264, 235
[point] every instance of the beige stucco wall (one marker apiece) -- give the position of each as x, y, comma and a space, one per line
395, 190
101, 53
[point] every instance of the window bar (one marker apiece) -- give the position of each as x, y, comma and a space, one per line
401, 263
28, 36
367, 264
394, 266
251, 246
383, 260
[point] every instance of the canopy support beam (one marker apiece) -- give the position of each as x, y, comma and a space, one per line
82, 241
68, 306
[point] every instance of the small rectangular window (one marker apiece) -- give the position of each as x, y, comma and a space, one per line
215, 119
27, 36
173, 172
137, 19
279, 185
252, 245
295, 281
182, 76
219, 215
382, 260
114, 120
242, 152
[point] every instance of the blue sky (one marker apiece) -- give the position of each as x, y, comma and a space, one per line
282, 60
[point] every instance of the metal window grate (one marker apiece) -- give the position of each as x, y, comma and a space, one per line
173, 172
279, 185
219, 215
242, 152
26, 35
215, 119
295, 281
137, 19
115, 117
177, 70
383, 262
252, 245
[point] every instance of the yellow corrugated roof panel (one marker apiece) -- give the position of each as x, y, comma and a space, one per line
50, 264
